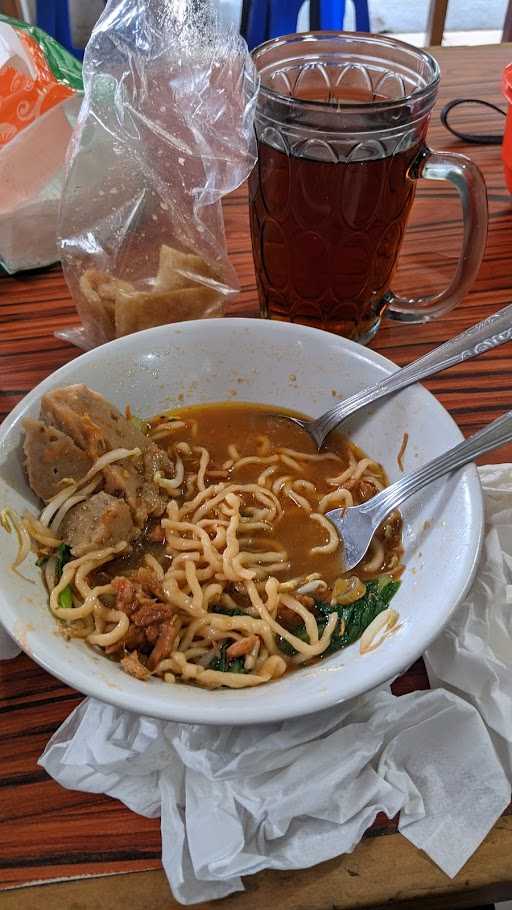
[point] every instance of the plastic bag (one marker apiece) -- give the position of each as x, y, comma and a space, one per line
40, 94
165, 130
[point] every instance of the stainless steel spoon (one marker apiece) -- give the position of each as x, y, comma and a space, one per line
477, 340
356, 525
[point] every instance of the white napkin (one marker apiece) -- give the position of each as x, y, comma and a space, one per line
236, 800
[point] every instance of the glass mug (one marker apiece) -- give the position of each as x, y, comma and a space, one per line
341, 121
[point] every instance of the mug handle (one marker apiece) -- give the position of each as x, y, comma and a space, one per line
470, 185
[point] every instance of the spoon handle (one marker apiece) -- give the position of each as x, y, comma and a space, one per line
494, 435
478, 339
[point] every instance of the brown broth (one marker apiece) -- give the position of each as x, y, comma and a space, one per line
218, 426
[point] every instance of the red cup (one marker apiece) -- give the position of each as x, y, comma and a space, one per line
506, 149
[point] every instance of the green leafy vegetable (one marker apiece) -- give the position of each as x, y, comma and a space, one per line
41, 561
221, 661
224, 664
300, 632
63, 555
355, 617
226, 611
66, 597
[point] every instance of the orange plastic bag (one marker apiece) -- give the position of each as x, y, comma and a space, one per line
40, 94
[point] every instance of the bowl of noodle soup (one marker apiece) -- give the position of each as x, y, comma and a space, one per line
224, 588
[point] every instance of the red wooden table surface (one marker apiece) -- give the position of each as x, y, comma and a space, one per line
48, 833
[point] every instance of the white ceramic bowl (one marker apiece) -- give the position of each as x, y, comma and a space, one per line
280, 364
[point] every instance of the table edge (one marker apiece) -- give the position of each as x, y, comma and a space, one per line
347, 882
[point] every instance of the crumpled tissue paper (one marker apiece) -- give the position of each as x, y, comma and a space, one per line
234, 801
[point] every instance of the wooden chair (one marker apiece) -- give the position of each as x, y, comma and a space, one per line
436, 21
437, 18
507, 25
11, 8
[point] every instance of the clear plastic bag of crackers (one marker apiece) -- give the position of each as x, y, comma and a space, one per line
165, 131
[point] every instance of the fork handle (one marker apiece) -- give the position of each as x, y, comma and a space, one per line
494, 435
478, 339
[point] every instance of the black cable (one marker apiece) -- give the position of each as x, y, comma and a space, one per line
475, 138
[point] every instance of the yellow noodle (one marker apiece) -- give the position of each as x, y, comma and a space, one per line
164, 429
178, 543
183, 448
273, 666
303, 456
153, 564
170, 486
341, 498
193, 628
203, 464
294, 583
214, 678
232, 549
307, 617
265, 572
172, 510
246, 624
95, 559
290, 462
333, 543
279, 483
299, 500
114, 635
91, 601
255, 459
195, 504
309, 650
196, 651
264, 476
195, 587
178, 598
302, 484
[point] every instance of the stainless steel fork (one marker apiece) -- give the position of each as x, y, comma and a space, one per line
357, 525
484, 336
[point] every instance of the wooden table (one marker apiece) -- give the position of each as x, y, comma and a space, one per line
49, 833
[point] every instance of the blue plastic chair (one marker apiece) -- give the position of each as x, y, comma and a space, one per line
53, 18
264, 19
